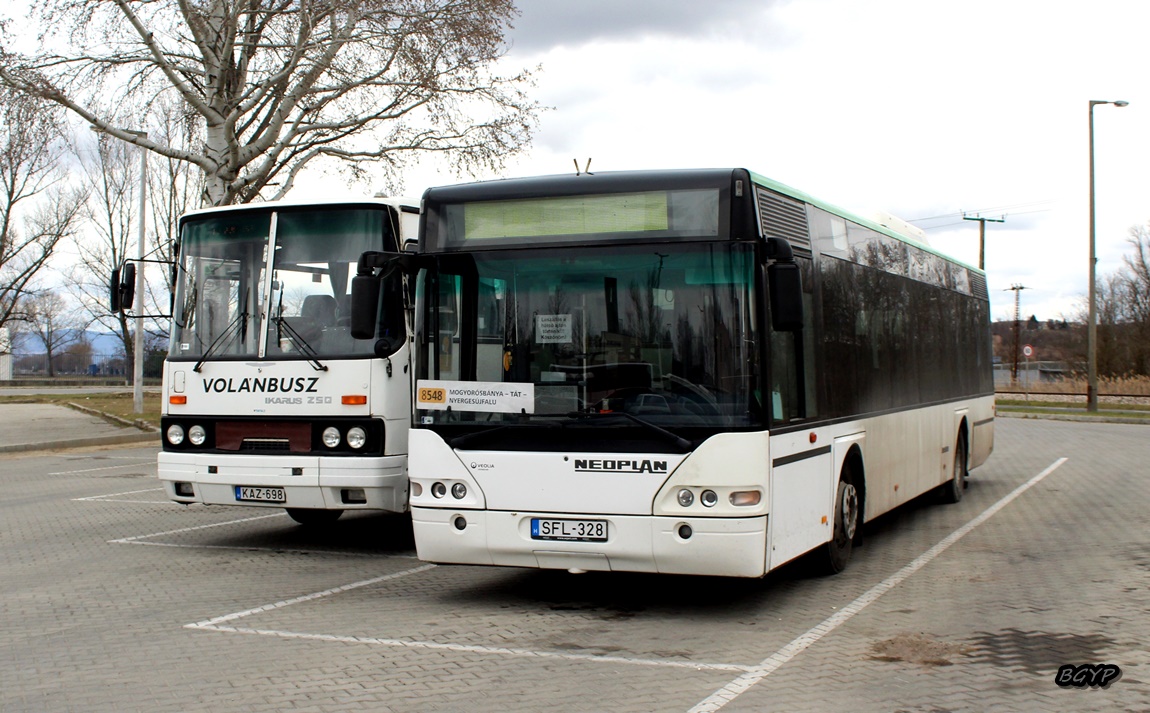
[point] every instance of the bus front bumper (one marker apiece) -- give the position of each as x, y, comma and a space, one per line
307, 482
728, 547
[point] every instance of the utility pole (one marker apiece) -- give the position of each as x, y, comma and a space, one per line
982, 235
1017, 328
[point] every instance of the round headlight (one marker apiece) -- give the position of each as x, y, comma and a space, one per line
356, 437
331, 436
686, 497
438, 490
197, 435
175, 434
709, 498
459, 491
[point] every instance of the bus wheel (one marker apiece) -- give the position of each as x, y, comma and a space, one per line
306, 516
952, 490
837, 552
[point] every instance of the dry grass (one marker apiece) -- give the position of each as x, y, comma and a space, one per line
117, 404
1119, 386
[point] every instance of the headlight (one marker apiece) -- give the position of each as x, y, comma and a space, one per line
356, 437
175, 434
438, 490
709, 498
197, 435
459, 491
331, 437
686, 497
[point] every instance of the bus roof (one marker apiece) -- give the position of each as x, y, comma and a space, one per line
847, 215
619, 181
408, 203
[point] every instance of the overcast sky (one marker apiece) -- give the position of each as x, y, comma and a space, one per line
923, 109
920, 109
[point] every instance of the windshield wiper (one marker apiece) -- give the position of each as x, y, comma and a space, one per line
680, 442
306, 349
231, 331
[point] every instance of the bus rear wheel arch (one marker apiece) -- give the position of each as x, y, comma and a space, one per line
833, 556
952, 490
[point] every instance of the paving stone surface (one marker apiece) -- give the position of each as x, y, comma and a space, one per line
112, 599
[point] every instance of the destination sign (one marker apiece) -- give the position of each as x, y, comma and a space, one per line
489, 396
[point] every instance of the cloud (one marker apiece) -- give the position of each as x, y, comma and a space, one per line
546, 24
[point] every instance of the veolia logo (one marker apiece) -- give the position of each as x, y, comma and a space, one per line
481, 466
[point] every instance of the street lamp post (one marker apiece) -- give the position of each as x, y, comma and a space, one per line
138, 339
1092, 318
138, 344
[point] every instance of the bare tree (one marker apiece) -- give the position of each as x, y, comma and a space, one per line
1123, 311
277, 84
1136, 276
174, 187
111, 175
36, 210
50, 319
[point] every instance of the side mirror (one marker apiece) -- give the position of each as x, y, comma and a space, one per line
123, 288
366, 286
784, 287
364, 305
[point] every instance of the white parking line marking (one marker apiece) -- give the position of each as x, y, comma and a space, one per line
128, 540
281, 550
116, 495
141, 539
494, 650
214, 625
308, 597
769, 665
107, 467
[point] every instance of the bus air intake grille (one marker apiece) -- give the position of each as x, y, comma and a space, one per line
978, 285
265, 444
783, 217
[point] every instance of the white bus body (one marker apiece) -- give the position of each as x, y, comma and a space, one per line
262, 396
607, 379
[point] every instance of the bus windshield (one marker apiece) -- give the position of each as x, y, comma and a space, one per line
661, 332
225, 301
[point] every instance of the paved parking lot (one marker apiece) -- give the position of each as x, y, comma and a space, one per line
114, 599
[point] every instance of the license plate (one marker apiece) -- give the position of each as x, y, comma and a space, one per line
569, 530
260, 495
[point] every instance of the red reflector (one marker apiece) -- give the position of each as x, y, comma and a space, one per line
178, 400
354, 400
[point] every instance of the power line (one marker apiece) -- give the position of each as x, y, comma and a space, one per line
960, 222
995, 209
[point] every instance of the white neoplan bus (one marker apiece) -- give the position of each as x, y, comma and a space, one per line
699, 372
268, 400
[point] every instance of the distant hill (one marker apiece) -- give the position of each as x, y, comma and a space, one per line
102, 343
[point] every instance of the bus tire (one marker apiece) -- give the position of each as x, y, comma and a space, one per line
952, 490
836, 553
306, 516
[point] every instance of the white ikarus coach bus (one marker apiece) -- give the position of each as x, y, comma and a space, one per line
268, 400
697, 372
